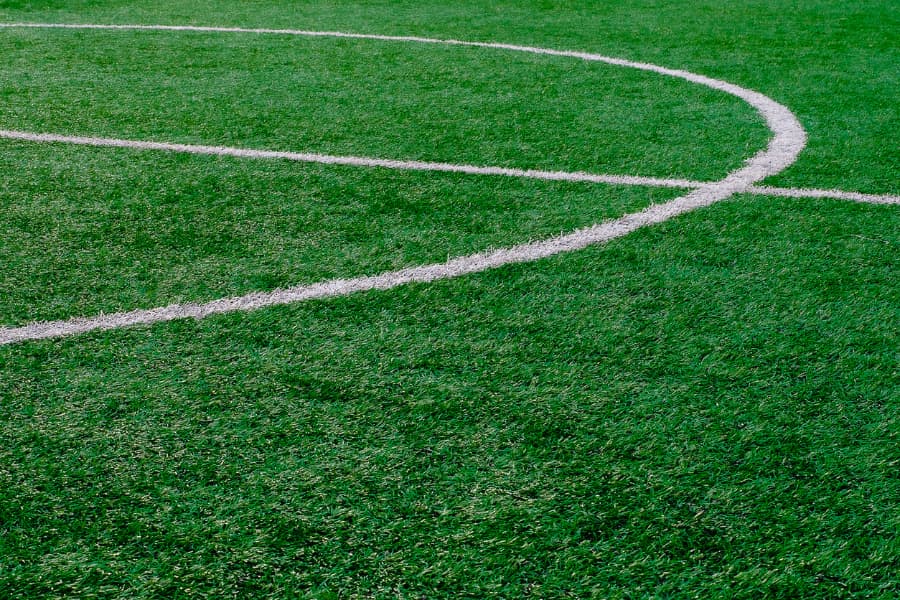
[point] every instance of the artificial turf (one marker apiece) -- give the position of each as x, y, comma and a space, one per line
704, 408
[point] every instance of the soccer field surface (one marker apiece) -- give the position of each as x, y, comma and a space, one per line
497, 299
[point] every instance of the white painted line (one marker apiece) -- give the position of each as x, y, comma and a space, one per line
788, 141
832, 194
353, 161
415, 165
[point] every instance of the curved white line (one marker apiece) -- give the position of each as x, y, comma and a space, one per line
789, 139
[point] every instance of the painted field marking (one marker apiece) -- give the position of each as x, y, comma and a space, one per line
352, 161
418, 165
787, 142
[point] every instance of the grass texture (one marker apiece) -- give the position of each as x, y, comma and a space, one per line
705, 408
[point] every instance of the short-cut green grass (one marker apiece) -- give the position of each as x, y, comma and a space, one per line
705, 408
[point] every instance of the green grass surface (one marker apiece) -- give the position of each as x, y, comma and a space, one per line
90, 230
374, 98
705, 408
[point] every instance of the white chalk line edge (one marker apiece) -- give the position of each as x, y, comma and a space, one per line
788, 141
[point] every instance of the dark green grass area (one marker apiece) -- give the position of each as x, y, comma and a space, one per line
707, 407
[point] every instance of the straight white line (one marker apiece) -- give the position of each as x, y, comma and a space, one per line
414, 165
832, 194
354, 161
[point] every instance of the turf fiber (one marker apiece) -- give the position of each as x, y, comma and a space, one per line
706, 408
